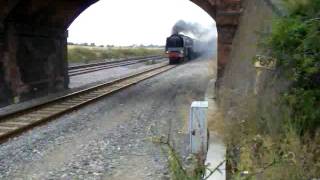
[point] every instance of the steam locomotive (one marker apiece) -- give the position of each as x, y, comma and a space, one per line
179, 48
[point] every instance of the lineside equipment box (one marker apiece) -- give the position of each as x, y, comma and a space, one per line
198, 128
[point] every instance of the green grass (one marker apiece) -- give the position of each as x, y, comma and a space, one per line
192, 170
86, 54
294, 42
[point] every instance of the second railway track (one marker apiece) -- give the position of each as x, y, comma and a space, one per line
16, 123
88, 68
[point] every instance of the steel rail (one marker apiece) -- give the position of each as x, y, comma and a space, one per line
87, 68
15, 123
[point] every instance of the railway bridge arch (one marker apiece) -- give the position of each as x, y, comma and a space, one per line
33, 42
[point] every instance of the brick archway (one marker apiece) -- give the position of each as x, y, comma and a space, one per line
33, 39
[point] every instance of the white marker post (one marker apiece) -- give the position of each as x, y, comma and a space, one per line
198, 129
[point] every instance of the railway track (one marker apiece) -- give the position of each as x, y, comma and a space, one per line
18, 122
87, 68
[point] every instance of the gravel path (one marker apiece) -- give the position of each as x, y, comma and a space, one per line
111, 138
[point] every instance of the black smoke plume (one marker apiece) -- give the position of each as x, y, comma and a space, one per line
205, 38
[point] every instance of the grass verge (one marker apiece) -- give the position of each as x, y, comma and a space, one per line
87, 54
191, 170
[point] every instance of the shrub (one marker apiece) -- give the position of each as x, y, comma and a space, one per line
295, 42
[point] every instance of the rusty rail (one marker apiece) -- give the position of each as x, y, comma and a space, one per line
87, 68
18, 122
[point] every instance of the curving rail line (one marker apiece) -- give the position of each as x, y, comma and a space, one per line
87, 68
16, 123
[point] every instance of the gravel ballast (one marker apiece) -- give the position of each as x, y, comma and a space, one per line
110, 139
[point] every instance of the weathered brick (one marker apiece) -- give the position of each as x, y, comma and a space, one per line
33, 36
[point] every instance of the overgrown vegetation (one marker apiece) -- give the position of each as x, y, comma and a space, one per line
177, 171
286, 144
86, 54
295, 43
192, 170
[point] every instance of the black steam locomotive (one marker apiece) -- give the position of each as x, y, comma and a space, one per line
179, 48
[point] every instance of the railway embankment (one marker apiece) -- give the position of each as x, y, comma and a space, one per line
268, 96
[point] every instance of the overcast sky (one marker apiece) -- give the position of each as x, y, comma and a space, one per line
127, 22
